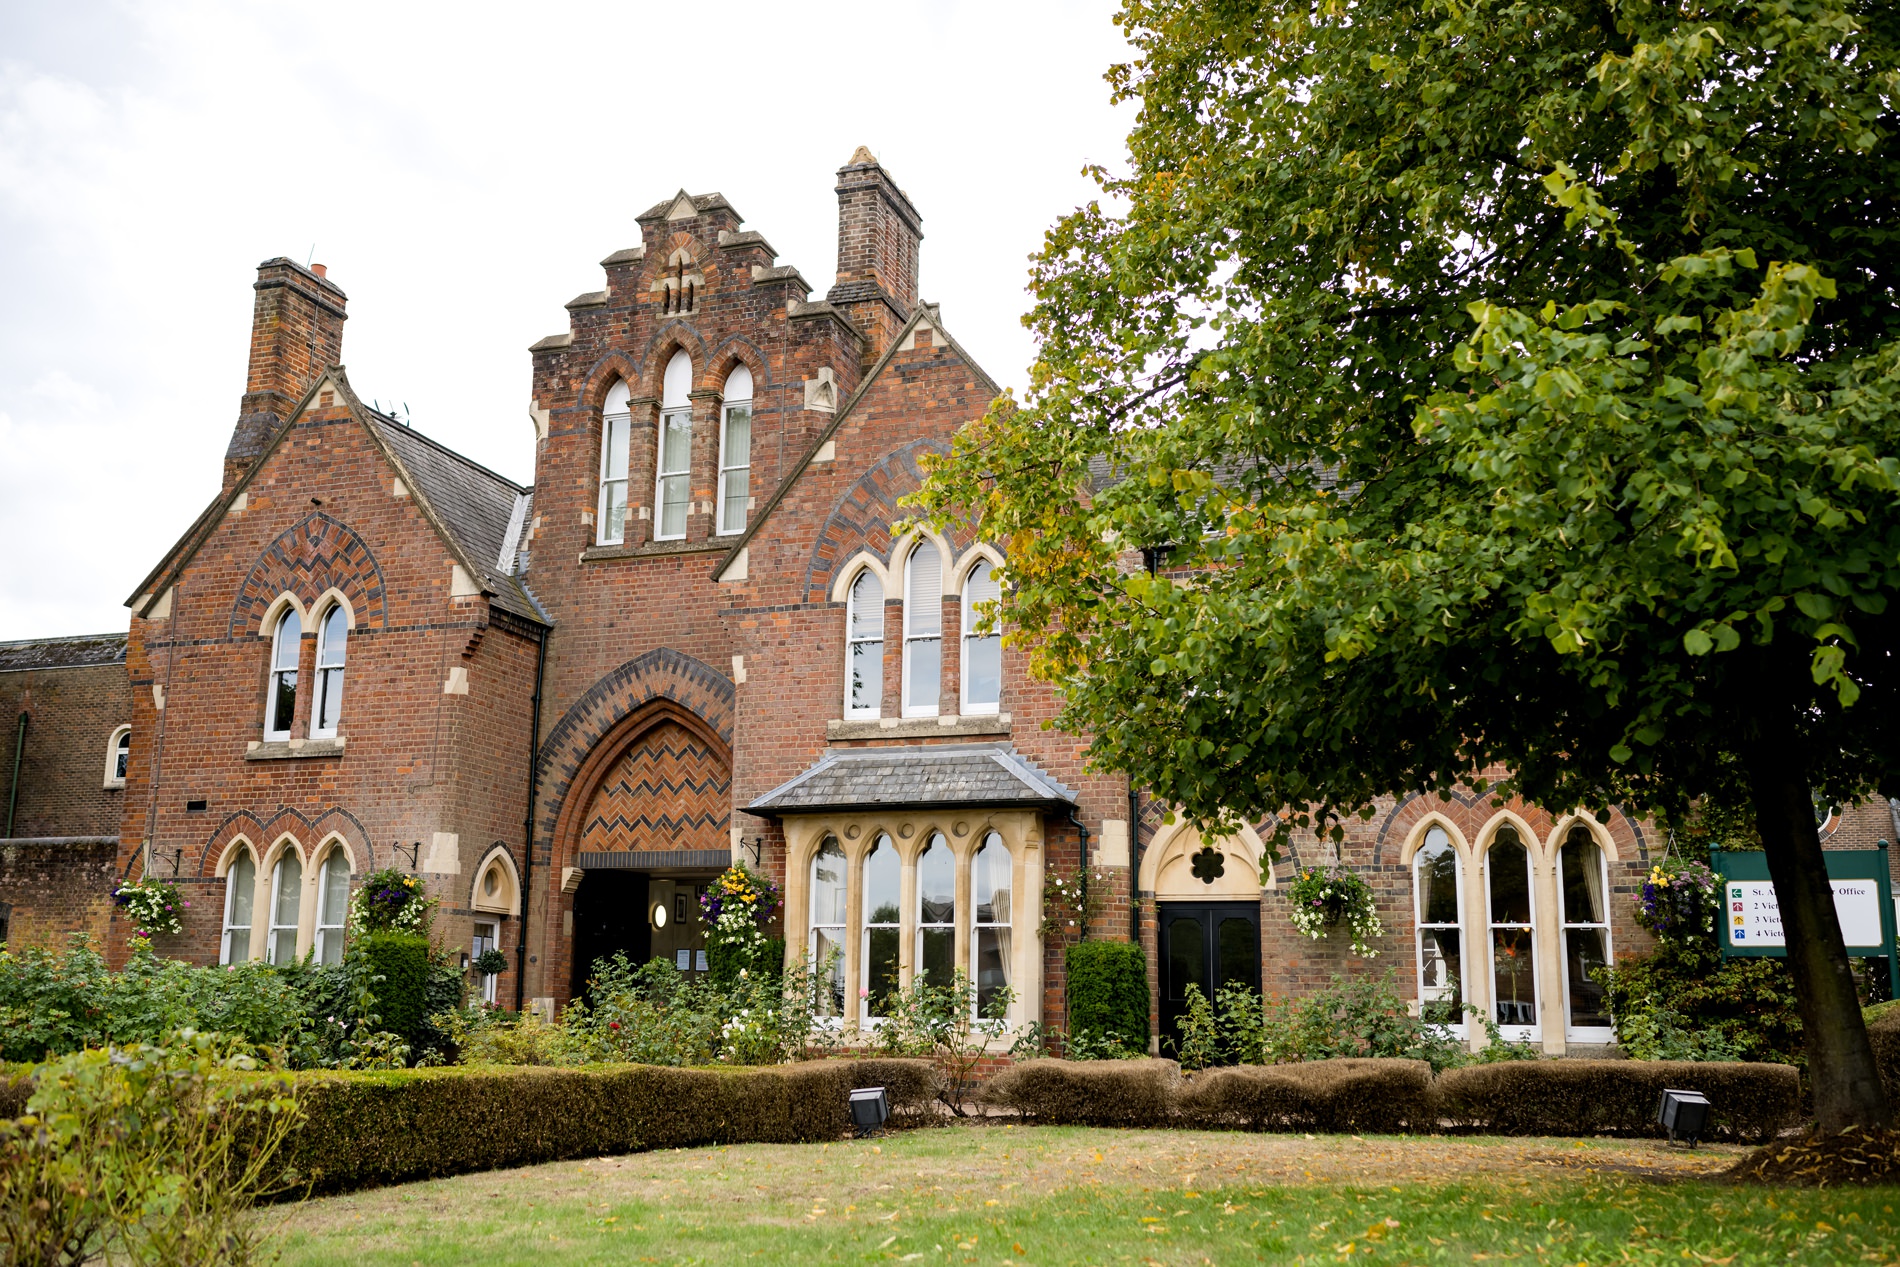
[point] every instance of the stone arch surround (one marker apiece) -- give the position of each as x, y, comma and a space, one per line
314, 555
662, 684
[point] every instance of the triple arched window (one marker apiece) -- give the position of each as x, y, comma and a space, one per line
303, 912
979, 646
673, 456
1496, 945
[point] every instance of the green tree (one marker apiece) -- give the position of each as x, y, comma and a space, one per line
1502, 384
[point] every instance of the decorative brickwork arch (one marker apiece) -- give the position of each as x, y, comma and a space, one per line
334, 821
861, 518
615, 367
659, 780
598, 730
314, 555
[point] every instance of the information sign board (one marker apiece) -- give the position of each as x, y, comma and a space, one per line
1864, 902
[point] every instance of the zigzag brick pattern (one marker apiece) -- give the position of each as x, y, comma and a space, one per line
670, 791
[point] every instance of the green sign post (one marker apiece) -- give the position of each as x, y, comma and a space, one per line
1863, 901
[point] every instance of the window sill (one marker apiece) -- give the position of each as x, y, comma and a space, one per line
595, 554
917, 727
293, 749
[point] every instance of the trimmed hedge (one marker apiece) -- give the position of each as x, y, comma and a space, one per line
1615, 1097
1108, 991
368, 1129
1353, 1094
402, 996
1529, 1097
1088, 1092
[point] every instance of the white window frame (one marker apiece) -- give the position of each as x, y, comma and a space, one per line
881, 841
837, 930
934, 840
1533, 1032
279, 670
231, 892
277, 926
1582, 1033
675, 406
1420, 927
1006, 925
616, 412
331, 924
119, 741
727, 466
970, 619
913, 637
853, 640
476, 948
330, 661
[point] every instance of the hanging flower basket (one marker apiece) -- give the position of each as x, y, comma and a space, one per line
1321, 900
1678, 902
390, 901
154, 908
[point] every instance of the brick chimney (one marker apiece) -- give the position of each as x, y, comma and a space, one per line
296, 334
878, 233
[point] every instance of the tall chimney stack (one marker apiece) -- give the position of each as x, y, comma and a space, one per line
878, 233
296, 334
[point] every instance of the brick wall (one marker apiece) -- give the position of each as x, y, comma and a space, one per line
49, 891
72, 711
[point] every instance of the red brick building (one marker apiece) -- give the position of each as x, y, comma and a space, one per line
706, 634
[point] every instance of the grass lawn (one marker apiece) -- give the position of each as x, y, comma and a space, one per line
996, 1194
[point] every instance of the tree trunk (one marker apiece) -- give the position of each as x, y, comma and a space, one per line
1841, 1069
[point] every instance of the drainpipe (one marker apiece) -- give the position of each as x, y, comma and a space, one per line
527, 831
13, 796
1082, 878
1134, 863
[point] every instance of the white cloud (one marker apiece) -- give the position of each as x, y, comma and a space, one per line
460, 170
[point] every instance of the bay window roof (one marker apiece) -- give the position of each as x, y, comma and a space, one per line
994, 775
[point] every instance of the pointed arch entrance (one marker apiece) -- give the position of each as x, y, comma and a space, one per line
646, 827
1207, 917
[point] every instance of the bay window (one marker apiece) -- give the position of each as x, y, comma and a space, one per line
937, 913
883, 875
1513, 941
990, 944
1437, 895
826, 948
1586, 918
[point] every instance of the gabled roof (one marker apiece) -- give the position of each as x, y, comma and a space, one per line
993, 775
72, 652
702, 203
471, 507
925, 313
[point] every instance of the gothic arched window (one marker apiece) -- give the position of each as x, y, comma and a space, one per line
673, 472
616, 425
735, 451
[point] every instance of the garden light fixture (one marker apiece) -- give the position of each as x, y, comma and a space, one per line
870, 1108
1683, 1113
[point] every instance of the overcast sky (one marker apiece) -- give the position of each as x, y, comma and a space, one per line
461, 169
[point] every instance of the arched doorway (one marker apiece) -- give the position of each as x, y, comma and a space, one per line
651, 834
1207, 918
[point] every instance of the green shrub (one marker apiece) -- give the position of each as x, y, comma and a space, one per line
1088, 1092
144, 1154
402, 996
1108, 992
726, 960
1325, 1095
367, 1129
1362, 1016
1615, 1097
1884, 1033
1684, 999
54, 1003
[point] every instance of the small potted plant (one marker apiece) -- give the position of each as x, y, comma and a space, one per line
1320, 900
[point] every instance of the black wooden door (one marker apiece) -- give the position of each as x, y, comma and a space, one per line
610, 914
1207, 944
